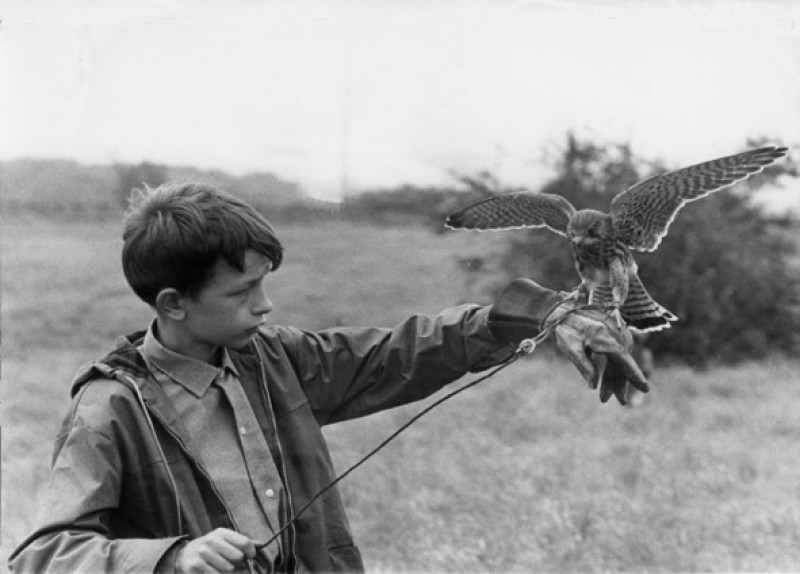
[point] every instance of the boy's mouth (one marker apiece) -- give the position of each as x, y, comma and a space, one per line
253, 330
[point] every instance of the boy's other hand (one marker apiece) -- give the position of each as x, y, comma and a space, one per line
221, 550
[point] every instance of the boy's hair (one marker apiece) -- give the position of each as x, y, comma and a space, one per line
175, 233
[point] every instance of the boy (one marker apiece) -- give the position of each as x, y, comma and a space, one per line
201, 435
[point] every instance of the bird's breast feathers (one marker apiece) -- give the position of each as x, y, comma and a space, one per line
592, 250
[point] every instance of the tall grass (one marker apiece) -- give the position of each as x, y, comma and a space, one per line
525, 472
528, 472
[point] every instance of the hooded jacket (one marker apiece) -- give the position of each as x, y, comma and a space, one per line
126, 483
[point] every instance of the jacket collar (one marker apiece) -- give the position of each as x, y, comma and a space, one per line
193, 375
126, 356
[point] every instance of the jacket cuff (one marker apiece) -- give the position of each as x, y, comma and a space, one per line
520, 310
167, 564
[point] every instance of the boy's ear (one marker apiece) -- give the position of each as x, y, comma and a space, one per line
169, 302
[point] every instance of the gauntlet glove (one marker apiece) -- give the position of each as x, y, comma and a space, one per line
590, 339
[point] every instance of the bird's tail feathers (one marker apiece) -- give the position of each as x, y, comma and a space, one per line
641, 312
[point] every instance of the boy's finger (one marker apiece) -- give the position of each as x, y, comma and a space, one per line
606, 389
240, 542
572, 346
221, 554
631, 371
249, 549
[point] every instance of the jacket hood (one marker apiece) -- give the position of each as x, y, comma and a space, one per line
124, 357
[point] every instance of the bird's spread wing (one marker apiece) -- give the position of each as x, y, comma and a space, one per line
514, 211
643, 213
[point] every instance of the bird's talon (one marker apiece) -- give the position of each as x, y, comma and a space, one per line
581, 292
613, 311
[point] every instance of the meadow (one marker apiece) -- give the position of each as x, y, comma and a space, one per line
527, 471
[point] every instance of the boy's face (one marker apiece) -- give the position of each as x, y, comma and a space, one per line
229, 309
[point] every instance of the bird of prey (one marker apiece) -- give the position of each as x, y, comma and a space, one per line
601, 242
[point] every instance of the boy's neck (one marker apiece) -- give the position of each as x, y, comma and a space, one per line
176, 341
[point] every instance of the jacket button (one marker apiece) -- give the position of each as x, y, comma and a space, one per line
270, 493
242, 431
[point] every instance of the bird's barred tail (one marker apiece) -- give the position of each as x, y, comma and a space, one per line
641, 311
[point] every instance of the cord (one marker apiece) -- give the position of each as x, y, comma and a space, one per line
525, 347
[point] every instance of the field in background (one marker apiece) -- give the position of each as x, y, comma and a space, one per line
526, 472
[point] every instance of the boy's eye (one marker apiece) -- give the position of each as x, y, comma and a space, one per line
252, 286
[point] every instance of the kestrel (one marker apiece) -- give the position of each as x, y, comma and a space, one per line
601, 242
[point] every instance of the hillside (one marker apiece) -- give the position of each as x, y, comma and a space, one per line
65, 187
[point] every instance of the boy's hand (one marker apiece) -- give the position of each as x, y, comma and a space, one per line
219, 551
591, 340
599, 349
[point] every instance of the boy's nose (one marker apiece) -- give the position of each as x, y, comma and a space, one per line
263, 305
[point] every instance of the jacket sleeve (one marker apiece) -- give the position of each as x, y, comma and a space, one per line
76, 506
356, 371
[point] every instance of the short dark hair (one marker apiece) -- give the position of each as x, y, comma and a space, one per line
175, 233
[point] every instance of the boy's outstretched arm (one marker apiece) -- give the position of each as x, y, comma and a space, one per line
349, 372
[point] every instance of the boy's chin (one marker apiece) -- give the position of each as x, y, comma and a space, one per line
241, 342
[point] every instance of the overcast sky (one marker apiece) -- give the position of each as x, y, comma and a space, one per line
389, 92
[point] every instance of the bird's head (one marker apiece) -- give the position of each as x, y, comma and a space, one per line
588, 226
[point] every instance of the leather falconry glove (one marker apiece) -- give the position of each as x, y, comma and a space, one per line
590, 339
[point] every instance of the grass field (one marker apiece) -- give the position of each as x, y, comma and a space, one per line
525, 472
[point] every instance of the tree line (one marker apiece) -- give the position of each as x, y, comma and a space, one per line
727, 269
